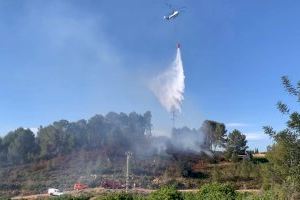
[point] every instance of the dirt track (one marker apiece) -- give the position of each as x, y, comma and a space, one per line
75, 193
103, 190
41, 196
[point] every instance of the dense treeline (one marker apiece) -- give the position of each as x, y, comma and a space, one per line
113, 134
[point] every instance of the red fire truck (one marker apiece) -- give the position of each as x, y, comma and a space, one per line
80, 186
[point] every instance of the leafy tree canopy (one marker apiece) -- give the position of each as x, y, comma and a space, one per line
236, 143
215, 134
284, 156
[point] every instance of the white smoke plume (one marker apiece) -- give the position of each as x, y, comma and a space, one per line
168, 87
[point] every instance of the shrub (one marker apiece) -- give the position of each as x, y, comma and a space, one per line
248, 196
190, 196
166, 193
216, 174
257, 160
120, 196
174, 184
266, 195
67, 197
218, 191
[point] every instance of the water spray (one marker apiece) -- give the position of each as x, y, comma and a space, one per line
168, 87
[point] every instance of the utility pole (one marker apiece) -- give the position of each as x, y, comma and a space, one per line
173, 118
128, 156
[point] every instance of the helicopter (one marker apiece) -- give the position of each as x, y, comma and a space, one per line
172, 15
174, 12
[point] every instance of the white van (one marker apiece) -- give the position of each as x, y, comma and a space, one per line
54, 192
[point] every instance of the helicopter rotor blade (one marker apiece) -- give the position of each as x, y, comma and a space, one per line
169, 5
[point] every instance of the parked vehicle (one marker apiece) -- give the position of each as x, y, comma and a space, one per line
54, 192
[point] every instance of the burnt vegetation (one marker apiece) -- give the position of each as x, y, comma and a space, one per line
93, 152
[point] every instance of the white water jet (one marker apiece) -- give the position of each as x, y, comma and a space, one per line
168, 87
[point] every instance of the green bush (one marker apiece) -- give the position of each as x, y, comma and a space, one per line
266, 195
121, 196
247, 196
257, 160
68, 197
190, 196
166, 193
174, 184
213, 191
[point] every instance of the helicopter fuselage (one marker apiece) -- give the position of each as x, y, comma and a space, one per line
172, 15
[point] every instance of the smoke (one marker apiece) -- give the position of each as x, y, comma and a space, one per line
168, 87
182, 139
187, 139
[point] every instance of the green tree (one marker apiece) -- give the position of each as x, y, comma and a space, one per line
215, 134
113, 134
22, 148
284, 156
97, 131
236, 143
78, 130
147, 123
55, 139
2, 152
48, 140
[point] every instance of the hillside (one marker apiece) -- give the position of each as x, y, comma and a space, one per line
90, 168
93, 152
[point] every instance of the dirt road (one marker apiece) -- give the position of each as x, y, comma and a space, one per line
103, 190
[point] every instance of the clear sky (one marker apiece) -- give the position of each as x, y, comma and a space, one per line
73, 59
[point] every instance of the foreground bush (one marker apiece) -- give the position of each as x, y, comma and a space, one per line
213, 191
121, 196
166, 193
190, 196
68, 197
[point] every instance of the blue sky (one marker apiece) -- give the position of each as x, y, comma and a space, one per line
73, 59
